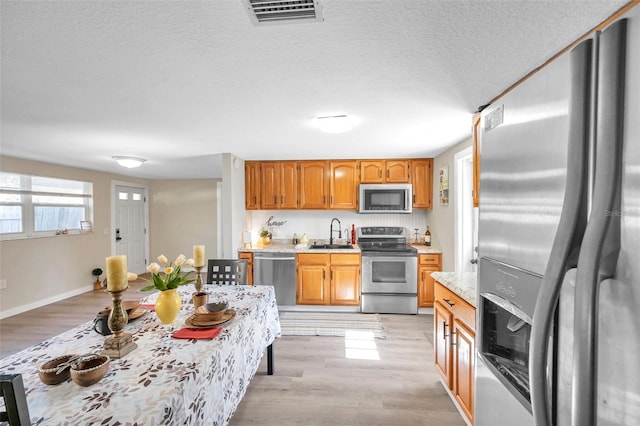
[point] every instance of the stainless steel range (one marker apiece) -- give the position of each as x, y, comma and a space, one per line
389, 270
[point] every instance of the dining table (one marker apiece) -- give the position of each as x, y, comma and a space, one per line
164, 380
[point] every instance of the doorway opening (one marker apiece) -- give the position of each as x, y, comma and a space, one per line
466, 216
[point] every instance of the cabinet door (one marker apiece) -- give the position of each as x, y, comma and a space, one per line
288, 185
397, 171
372, 171
312, 282
252, 185
248, 256
345, 285
463, 366
427, 263
311, 285
441, 341
344, 185
425, 295
422, 181
270, 185
314, 184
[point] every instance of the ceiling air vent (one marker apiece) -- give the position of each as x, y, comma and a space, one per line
279, 11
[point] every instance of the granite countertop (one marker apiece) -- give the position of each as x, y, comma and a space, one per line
422, 249
464, 284
287, 247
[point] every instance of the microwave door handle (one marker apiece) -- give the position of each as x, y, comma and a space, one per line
567, 239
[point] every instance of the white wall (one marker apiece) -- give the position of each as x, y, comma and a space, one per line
316, 223
233, 213
442, 217
182, 213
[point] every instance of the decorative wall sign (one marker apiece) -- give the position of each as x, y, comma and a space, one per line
444, 185
85, 226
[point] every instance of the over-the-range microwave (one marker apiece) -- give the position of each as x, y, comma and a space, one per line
385, 198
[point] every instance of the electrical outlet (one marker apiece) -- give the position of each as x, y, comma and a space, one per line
3, 284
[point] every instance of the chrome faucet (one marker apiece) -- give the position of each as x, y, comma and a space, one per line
331, 231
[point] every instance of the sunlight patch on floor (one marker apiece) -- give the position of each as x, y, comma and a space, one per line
360, 344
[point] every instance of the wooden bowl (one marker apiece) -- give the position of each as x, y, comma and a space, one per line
211, 311
90, 369
55, 371
129, 306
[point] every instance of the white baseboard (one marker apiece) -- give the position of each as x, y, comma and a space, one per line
427, 311
455, 402
43, 302
318, 308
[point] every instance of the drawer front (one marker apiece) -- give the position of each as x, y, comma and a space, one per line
458, 307
429, 259
313, 258
345, 259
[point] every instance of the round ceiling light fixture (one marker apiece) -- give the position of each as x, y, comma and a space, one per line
129, 162
334, 123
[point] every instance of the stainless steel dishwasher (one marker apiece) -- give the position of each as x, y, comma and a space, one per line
278, 270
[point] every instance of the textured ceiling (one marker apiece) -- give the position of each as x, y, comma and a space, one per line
180, 82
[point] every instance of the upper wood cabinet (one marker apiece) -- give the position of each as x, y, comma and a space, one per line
279, 185
314, 184
476, 158
252, 185
384, 171
343, 185
422, 181
330, 184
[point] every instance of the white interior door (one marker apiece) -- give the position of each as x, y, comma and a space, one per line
131, 227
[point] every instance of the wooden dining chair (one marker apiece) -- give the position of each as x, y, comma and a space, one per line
227, 271
16, 411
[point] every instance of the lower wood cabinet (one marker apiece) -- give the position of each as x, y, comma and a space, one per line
454, 346
248, 256
328, 279
427, 263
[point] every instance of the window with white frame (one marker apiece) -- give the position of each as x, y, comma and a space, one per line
38, 206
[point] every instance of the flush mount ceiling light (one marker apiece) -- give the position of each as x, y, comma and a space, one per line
334, 123
129, 162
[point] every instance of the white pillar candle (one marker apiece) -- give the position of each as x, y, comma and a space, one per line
198, 255
117, 273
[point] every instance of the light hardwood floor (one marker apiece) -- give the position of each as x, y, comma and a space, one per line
315, 382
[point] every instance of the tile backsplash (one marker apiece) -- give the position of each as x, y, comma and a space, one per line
316, 223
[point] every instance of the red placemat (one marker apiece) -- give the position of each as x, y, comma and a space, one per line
197, 333
149, 306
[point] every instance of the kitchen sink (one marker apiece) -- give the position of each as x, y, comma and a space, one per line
331, 246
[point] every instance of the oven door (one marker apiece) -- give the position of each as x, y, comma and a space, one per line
389, 273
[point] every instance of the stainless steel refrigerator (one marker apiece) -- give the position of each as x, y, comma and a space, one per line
558, 335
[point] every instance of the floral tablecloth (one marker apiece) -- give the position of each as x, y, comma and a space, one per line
165, 381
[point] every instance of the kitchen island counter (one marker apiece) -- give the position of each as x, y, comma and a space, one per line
463, 284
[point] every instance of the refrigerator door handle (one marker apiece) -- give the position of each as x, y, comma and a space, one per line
599, 252
568, 236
